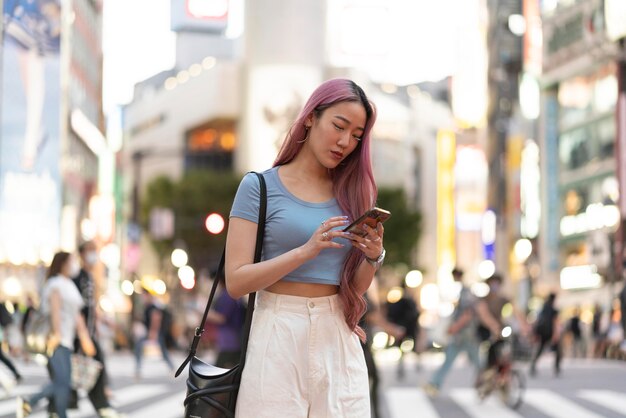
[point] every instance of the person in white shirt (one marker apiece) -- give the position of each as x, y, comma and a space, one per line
61, 301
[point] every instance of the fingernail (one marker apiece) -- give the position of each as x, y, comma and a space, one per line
346, 221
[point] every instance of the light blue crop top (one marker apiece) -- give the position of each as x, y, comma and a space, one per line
289, 223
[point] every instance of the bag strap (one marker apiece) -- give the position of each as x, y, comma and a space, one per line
220, 277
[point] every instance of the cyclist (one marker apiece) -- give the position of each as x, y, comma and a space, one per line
498, 371
495, 302
462, 333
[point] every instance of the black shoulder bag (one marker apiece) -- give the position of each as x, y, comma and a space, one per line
212, 391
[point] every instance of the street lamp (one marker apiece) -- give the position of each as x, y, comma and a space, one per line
179, 258
413, 279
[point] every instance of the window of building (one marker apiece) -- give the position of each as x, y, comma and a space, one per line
211, 146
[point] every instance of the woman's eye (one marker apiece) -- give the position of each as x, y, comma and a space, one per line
358, 138
337, 127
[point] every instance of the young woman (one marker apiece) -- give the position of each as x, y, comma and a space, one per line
304, 358
61, 301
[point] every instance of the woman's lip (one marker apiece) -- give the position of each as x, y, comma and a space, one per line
337, 154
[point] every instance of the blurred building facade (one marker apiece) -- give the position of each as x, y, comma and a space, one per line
51, 139
578, 137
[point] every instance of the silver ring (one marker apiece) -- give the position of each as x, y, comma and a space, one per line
325, 236
323, 223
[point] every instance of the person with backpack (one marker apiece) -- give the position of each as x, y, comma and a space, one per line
547, 331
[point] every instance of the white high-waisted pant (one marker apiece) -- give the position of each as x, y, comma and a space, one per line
302, 362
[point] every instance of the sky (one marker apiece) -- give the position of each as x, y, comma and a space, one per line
420, 37
137, 44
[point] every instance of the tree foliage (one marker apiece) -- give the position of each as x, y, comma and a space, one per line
192, 198
402, 230
199, 193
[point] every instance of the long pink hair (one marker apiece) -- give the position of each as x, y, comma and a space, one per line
353, 179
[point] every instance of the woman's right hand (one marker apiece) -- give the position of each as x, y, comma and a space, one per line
323, 236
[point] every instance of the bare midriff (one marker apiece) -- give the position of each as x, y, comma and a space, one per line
307, 290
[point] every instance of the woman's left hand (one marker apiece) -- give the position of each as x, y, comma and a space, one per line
372, 243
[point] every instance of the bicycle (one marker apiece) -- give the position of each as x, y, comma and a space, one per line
502, 375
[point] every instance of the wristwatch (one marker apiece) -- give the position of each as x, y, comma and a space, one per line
377, 262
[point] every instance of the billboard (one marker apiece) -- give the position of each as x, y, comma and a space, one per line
209, 16
30, 189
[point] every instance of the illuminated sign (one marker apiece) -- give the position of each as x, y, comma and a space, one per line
446, 155
580, 277
530, 199
208, 16
596, 216
207, 9
470, 183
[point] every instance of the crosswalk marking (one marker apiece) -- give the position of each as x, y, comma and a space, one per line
556, 406
171, 407
606, 398
150, 400
7, 405
126, 396
404, 402
474, 407
135, 393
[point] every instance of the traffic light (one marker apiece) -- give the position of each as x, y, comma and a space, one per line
214, 223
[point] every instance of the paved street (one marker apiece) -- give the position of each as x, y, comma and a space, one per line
586, 389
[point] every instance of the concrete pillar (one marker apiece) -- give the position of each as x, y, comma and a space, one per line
284, 60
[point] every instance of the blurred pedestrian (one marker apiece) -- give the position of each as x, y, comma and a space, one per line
61, 301
27, 311
6, 320
156, 325
622, 301
84, 281
404, 313
229, 316
462, 333
372, 320
597, 331
304, 347
548, 333
574, 329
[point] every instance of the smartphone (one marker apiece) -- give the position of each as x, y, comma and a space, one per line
371, 218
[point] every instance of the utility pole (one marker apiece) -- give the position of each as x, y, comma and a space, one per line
505, 63
617, 252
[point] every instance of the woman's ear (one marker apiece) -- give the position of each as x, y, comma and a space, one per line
308, 122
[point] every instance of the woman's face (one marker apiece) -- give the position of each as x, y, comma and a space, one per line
69, 267
336, 133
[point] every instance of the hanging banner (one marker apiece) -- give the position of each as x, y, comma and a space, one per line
30, 196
